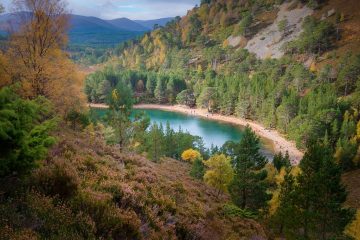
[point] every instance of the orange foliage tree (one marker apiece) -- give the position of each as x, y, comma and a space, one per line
36, 54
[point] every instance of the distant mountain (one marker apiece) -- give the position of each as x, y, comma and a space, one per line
127, 24
93, 31
82, 23
11, 21
149, 24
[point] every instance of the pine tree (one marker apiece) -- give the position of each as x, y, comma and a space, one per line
197, 169
277, 161
150, 85
155, 141
170, 91
169, 141
284, 215
280, 161
24, 132
320, 195
120, 103
159, 91
248, 188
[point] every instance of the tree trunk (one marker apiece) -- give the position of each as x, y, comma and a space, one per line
243, 205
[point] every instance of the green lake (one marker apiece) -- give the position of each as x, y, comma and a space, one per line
212, 132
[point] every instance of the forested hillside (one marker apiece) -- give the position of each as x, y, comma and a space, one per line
310, 93
66, 173
292, 66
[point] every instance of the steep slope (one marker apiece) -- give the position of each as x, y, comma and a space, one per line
113, 195
268, 42
223, 24
349, 29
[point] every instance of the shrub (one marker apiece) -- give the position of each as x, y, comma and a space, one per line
232, 210
111, 222
54, 221
59, 179
7, 232
77, 118
31, 215
190, 155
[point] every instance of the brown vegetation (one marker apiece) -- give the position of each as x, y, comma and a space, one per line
352, 183
119, 195
348, 27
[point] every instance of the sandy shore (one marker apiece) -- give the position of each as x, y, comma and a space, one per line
280, 143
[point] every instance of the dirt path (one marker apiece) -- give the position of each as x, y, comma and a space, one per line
280, 142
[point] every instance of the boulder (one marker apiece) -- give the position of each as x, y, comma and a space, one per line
235, 41
331, 12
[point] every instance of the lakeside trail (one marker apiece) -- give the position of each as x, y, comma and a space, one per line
280, 143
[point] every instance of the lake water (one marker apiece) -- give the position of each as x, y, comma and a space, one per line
212, 132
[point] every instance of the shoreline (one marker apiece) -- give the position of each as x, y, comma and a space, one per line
280, 143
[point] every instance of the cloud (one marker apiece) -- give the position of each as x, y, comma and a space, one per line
133, 9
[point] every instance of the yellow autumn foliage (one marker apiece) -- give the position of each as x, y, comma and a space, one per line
190, 155
313, 67
35, 58
271, 173
274, 202
279, 178
220, 172
225, 43
353, 229
203, 12
295, 171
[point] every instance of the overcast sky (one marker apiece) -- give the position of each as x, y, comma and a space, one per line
133, 9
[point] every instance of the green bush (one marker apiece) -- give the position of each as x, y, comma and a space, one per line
24, 132
77, 118
198, 169
232, 210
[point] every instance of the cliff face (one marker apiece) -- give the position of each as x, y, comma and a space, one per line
268, 42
